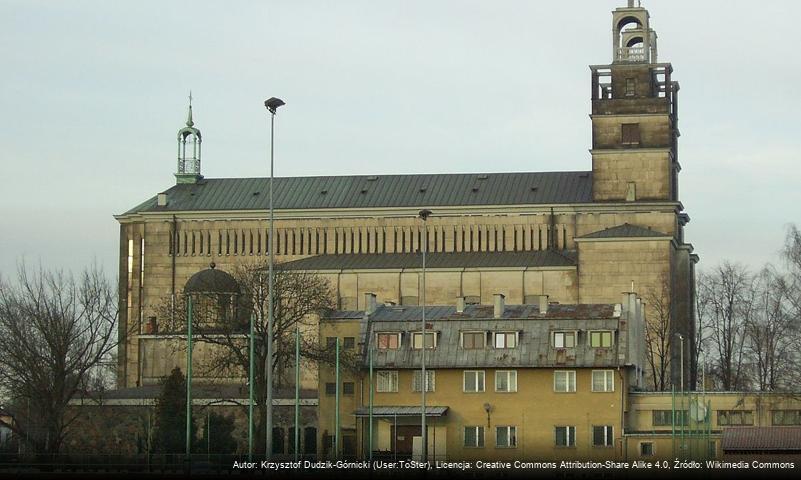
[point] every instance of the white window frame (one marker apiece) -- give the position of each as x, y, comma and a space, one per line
378, 343
476, 382
511, 380
609, 436
564, 334
504, 334
393, 381
570, 381
570, 436
511, 436
609, 381
483, 335
479, 431
601, 332
417, 336
431, 380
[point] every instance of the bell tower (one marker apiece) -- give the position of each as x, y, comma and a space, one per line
634, 116
189, 140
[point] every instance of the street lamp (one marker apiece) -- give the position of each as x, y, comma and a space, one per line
272, 105
424, 214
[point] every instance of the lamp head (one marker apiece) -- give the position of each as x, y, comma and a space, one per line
487, 407
424, 214
273, 103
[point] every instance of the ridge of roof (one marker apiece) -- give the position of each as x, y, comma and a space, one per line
378, 261
626, 230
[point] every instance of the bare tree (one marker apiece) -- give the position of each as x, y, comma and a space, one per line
771, 331
658, 333
55, 331
299, 298
729, 294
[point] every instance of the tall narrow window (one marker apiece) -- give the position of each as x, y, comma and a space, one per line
631, 87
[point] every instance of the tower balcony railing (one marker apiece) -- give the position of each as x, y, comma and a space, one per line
631, 54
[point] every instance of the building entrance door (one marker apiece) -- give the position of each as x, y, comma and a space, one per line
402, 436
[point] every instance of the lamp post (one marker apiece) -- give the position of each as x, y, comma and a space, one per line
424, 214
272, 105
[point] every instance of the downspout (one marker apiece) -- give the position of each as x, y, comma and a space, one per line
174, 254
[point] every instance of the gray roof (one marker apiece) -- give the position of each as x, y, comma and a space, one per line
786, 439
626, 230
372, 191
377, 261
202, 391
534, 333
401, 411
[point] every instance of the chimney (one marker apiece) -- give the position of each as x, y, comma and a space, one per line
161, 200
543, 304
499, 305
460, 302
370, 303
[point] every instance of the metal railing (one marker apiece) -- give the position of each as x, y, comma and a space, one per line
631, 54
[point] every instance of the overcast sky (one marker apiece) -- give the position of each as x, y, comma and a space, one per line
92, 94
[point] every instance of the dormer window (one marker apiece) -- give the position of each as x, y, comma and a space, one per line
563, 339
388, 340
505, 339
474, 340
601, 339
417, 340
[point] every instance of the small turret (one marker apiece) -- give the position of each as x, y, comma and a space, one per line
189, 155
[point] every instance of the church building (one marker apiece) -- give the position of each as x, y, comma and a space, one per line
537, 238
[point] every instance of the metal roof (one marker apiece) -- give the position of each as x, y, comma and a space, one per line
624, 231
378, 261
534, 335
401, 411
372, 191
199, 391
762, 438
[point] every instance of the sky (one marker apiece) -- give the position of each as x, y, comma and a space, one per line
92, 94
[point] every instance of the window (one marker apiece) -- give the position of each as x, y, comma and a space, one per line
474, 340
474, 381
330, 388
417, 383
631, 86
786, 417
565, 436
564, 339
646, 449
386, 381
474, 436
388, 341
348, 388
602, 436
506, 381
506, 437
601, 339
505, 339
630, 134
564, 381
348, 342
417, 340
664, 418
331, 342
735, 417
603, 380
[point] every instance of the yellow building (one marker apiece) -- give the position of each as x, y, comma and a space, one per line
503, 381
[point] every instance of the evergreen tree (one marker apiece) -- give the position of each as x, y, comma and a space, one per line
221, 428
170, 431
